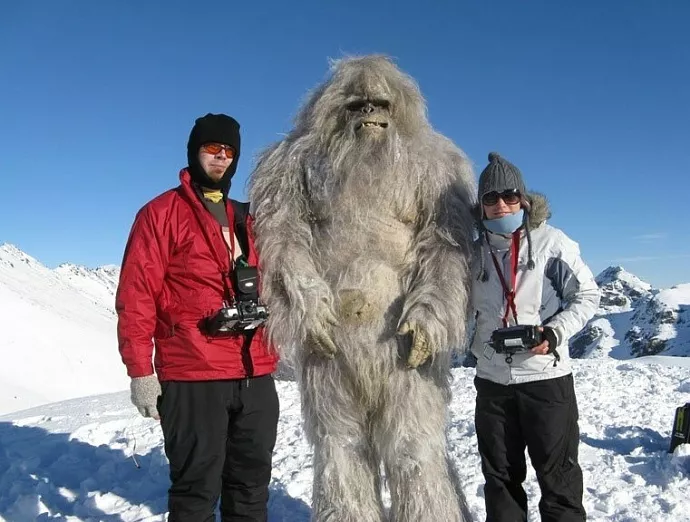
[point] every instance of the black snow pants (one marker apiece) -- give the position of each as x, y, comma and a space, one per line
541, 416
219, 438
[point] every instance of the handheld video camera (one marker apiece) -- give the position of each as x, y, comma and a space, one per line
515, 339
246, 312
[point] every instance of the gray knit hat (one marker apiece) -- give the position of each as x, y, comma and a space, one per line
500, 175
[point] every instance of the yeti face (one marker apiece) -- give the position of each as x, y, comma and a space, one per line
369, 117
367, 109
360, 121
366, 101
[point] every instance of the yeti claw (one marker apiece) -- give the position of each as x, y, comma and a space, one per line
421, 348
321, 344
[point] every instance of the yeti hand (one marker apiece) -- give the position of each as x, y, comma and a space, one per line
319, 338
421, 348
145, 392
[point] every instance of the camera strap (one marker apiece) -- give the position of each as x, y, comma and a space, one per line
509, 293
241, 212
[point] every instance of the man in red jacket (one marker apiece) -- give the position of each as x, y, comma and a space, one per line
212, 390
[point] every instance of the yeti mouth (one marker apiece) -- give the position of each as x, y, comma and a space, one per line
374, 124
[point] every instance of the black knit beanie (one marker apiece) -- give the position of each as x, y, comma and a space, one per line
218, 128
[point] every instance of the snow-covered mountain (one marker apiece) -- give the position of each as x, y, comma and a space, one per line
57, 331
635, 319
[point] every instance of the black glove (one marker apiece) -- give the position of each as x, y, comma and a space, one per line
549, 335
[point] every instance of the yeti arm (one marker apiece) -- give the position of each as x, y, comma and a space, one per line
437, 285
298, 298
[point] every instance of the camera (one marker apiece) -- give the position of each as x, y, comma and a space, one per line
246, 312
515, 339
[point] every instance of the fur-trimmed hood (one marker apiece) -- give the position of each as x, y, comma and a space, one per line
539, 211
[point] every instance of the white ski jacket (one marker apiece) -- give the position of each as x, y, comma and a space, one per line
560, 292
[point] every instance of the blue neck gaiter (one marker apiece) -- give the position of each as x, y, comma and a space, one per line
505, 225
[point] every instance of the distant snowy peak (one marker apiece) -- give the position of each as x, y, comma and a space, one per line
108, 274
675, 297
635, 319
661, 324
97, 285
110, 269
618, 274
620, 289
11, 255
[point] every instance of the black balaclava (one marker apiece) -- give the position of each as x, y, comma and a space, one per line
218, 128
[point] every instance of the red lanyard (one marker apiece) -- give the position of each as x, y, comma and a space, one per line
509, 293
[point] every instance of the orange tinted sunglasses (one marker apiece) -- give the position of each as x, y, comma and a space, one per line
215, 148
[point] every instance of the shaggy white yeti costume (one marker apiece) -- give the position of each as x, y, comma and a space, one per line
364, 231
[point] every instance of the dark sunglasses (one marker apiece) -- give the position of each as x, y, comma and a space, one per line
215, 148
509, 197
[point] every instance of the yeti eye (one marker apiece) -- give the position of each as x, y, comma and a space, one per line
356, 105
359, 105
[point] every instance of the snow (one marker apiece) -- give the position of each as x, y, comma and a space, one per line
73, 448
618, 273
676, 296
57, 332
96, 458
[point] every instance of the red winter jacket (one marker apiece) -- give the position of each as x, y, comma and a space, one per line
171, 278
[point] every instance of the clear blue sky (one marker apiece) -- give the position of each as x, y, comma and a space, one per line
591, 99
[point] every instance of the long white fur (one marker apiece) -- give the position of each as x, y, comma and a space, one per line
375, 231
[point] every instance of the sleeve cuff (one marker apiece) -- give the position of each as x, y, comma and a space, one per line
140, 370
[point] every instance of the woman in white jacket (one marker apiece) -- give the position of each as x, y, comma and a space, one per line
527, 273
